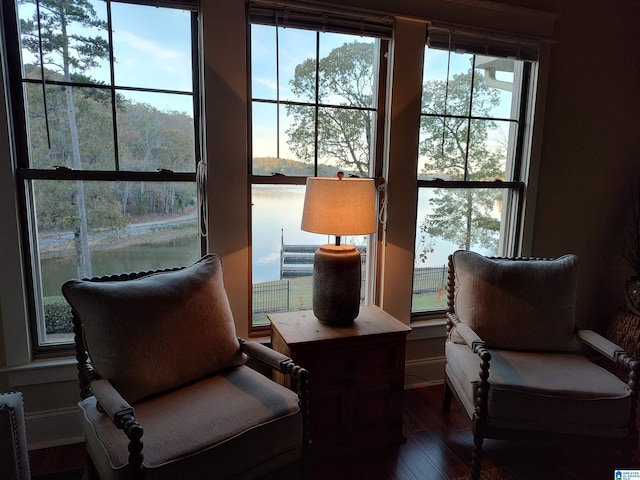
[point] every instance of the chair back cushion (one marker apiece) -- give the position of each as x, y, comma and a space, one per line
518, 304
159, 331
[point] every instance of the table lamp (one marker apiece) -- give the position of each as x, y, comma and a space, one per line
338, 206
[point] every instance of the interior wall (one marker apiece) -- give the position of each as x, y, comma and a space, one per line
590, 153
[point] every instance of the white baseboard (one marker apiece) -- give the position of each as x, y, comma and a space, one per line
424, 372
53, 428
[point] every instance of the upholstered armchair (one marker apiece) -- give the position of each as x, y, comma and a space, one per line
514, 359
166, 391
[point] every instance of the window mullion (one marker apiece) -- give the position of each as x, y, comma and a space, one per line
104, 175
316, 107
466, 155
114, 117
277, 89
522, 114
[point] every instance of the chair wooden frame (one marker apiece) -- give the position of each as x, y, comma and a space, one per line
124, 419
481, 430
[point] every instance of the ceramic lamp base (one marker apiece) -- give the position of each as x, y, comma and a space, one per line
337, 271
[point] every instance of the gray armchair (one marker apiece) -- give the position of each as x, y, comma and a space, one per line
165, 389
514, 361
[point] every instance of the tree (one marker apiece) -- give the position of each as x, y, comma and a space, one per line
344, 135
65, 49
459, 149
455, 148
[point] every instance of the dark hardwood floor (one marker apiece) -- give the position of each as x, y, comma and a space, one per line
438, 447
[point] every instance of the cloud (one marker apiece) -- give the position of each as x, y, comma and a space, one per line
169, 67
150, 48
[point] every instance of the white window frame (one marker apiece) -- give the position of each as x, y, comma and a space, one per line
375, 151
20, 172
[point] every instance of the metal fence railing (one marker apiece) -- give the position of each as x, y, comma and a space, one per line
270, 297
429, 279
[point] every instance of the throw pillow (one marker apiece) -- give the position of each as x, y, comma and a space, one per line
518, 304
159, 331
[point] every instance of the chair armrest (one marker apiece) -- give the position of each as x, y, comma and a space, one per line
265, 354
111, 402
284, 364
122, 416
601, 344
477, 346
468, 334
470, 337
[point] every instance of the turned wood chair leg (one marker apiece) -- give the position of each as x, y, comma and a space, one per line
446, 401
476, 458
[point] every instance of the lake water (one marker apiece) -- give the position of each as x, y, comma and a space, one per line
277, 212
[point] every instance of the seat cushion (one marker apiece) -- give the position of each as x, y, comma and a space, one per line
518, 304
238, 424
560, 392
160, 331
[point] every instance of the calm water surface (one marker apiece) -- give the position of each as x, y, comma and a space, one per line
276, 212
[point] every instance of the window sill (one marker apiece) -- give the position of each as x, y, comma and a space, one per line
427, 328
41, 372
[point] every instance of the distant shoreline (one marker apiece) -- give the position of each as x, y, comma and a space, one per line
61, 244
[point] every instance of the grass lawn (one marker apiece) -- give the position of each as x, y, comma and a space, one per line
300, 298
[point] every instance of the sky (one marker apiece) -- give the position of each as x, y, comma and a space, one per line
152, 49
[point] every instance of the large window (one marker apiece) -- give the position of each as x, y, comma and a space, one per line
105, 124
472, 159
316, 103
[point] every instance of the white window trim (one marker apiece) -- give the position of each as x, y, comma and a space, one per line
13, 304
401, 165
225, 127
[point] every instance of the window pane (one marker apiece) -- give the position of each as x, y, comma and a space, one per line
278, 285
152, 136
264, 71
86, 29
306, 130
88, 146
435, 65
346, 70
297, 64
493, 87
448, 220
446, 83
264, 133
488, 145
130, 226
454, 143
305, 127
152, 47
282, 252
344, 139
443, 147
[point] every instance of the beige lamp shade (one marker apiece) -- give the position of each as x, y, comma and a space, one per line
340, 206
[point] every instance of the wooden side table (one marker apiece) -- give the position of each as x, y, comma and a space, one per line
356, 376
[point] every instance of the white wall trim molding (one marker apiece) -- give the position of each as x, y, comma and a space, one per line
41, 372
425, 372
53, 428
